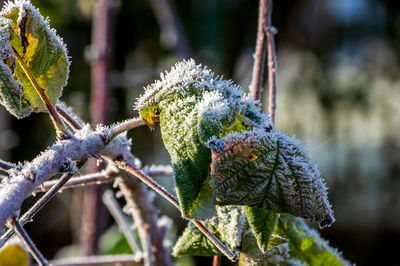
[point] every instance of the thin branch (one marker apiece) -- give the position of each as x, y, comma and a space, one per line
5, 166
145, 217
90, 179
28, 216
265, 44
139, 205
151, 183
103, 177
73, 121
148, 181
28, 242
113, 207
57, 121
97, 260
47, 164
271, 31
260, 53
158, 170
129, 124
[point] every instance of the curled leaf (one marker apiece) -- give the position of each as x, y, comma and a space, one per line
271, 171
40, 56
195, 106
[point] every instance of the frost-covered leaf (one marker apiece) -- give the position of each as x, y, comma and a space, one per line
306, 245
13, 255
276, 254
195, 106
271, 171
262, 222
228, 227
10, 89
25, 33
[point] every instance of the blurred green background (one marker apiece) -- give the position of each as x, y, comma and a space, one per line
338, 91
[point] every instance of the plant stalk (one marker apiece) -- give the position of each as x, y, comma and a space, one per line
57, 121
151, 183
19, 229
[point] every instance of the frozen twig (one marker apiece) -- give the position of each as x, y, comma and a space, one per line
97, 260
127, 125
28, 216
57, 158
104, 176
19, 229
5, 166
163, 192
73, 121
158, 170
89, 179
148, 181
113, 207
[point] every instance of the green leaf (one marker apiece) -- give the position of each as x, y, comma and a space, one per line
305, 243
271, 171
13, 255
43, 56
262, 223
195, 106
228, 227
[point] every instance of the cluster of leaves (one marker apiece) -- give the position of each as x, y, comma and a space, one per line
225, 152
232, 169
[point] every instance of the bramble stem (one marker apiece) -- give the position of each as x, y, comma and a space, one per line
265, 44
28, 242
114, 209
57, 121
5, 166
74, 124
90, 179
28, 216
98, 178
129, 124
270, 32
260, 53
148, 181
151, 183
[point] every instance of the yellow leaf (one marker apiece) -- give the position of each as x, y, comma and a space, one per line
148, 115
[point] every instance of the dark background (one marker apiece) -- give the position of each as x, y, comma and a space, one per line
338, 91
